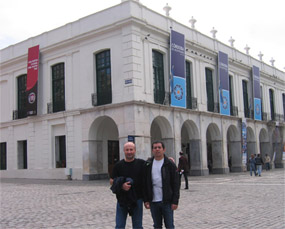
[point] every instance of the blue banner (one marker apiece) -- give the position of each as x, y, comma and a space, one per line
223, 64
225, 103
256, 93
244, 141
257, 109
178, 97
177, 69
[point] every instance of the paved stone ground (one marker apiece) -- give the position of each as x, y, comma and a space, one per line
215, 201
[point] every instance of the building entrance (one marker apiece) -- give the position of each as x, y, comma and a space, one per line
113, 155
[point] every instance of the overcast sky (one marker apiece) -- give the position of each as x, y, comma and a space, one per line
260, 24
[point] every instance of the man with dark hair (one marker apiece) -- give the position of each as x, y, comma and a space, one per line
161, 193
183, 168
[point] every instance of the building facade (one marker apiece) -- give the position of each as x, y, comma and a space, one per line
104, 80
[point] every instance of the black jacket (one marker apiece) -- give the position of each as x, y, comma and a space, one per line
170, 182
126, 199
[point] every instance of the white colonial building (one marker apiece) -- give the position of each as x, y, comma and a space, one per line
104, 79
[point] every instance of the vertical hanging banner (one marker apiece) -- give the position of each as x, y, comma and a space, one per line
177, 69
244, 141
223, 65
256, 92
32, 80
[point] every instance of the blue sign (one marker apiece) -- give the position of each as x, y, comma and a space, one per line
256, 93
131, 138
177, 69
178, 97
257, 109
225, 103
223, 64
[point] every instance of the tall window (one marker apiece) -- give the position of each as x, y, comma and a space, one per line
158, 77
283, 95
3, 156
103, 82
22, 155
22, 98
210, 90
60, 151
58, 87
245, 99
271, 98
231, 95
188, 84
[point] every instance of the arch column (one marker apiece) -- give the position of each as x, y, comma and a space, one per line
218, 157
196, 159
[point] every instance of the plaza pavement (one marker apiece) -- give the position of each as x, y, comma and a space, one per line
228, 201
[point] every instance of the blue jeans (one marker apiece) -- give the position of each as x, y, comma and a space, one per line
252, 169
122, 213
259, 169
159, 211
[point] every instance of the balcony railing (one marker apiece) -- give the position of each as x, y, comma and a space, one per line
15, 114
94, 99
49, 108
264, 116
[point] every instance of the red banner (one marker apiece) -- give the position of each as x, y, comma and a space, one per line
32, 79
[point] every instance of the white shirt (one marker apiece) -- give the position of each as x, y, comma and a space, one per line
157, 180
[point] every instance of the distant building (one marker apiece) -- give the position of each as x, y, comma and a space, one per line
104, 80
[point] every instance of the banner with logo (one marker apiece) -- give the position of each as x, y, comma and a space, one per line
223, 72
244, 142
177, 69
32, 80
256, 93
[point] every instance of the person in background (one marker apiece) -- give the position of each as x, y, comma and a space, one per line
251, 162
161, 194
183, 168
267, 162
259, 163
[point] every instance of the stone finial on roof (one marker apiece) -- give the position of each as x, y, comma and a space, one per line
247, 49
272, 61
192, 21
260, 56
214, 31
231, 40
167, 9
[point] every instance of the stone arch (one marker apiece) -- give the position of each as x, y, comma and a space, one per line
101, 150
277, 149
161, 130
264, 143
214, 149
191, 146
234, 149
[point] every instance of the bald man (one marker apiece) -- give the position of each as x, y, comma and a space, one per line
130, 172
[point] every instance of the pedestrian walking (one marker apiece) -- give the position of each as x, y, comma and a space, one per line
183, 169
127, 184
251, 162
259, 163
161, 194
267, 162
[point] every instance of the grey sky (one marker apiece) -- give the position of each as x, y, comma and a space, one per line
260, 24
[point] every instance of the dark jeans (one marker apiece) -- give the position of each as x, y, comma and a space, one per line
267, 165
186, 179
122, 213
159, 211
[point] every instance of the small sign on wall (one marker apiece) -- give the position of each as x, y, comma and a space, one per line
128, 81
